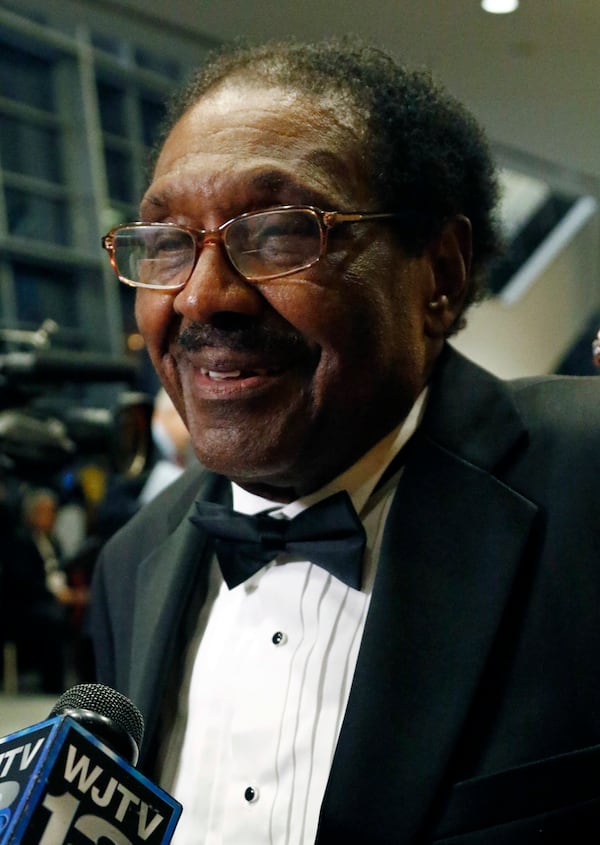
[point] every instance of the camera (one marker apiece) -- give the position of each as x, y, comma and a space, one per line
59, 406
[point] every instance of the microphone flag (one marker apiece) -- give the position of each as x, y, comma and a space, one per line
60, 785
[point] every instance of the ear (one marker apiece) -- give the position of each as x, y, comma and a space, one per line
450, 257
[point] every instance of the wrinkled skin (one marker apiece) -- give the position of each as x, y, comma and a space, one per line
329, 359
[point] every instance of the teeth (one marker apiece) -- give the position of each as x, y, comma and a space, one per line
215, 375
231, 373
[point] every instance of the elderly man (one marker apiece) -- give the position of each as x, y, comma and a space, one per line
404, 648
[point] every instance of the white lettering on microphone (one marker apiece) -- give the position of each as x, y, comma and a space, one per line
79, 771
26, 752
103, 799
127, 799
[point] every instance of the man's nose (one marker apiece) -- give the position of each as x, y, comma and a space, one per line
216, 286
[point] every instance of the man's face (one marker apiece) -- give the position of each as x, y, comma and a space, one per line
284, 383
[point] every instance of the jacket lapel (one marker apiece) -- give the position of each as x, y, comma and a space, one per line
169, 581
454, 539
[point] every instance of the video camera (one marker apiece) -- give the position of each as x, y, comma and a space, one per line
49, 414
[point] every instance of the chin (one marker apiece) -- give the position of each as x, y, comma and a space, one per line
236, 456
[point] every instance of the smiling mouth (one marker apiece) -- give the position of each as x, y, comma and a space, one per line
223, 375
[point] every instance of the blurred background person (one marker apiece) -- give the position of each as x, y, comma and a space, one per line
596, 350
36, 594
171, 454
171, 441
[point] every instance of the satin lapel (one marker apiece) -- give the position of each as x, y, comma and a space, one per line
439, 595
167, 579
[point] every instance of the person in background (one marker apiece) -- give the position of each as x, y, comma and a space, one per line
36, 594
171, 453
72, 519
596, 350
40, 512
393, 637
172, 444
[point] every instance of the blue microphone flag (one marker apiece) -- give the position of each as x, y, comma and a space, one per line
60, 785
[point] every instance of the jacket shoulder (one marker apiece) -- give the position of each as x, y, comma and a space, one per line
159, 518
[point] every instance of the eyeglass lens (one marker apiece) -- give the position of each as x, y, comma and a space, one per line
260, 246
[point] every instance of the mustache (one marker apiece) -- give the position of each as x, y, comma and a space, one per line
247, 338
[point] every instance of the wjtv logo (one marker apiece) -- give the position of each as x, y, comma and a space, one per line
61, 786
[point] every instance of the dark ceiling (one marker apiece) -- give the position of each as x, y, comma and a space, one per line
532, 77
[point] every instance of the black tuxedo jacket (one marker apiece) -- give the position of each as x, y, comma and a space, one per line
474, 714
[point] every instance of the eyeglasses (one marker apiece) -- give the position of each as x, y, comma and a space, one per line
260, 245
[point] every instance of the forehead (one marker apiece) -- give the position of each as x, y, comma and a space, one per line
269, 141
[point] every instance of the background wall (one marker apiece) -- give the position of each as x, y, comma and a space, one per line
72, 161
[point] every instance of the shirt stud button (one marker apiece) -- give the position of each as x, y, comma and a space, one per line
279, 638
251, 794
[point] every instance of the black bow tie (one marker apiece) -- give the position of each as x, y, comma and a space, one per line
328, 534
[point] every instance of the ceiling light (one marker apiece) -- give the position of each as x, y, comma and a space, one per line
499, 7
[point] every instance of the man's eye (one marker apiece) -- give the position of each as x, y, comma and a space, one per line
289, 231
282, 240
166, 245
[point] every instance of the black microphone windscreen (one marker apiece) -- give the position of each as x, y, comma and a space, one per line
98, 700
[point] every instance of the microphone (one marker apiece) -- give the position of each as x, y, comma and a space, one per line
70, 780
